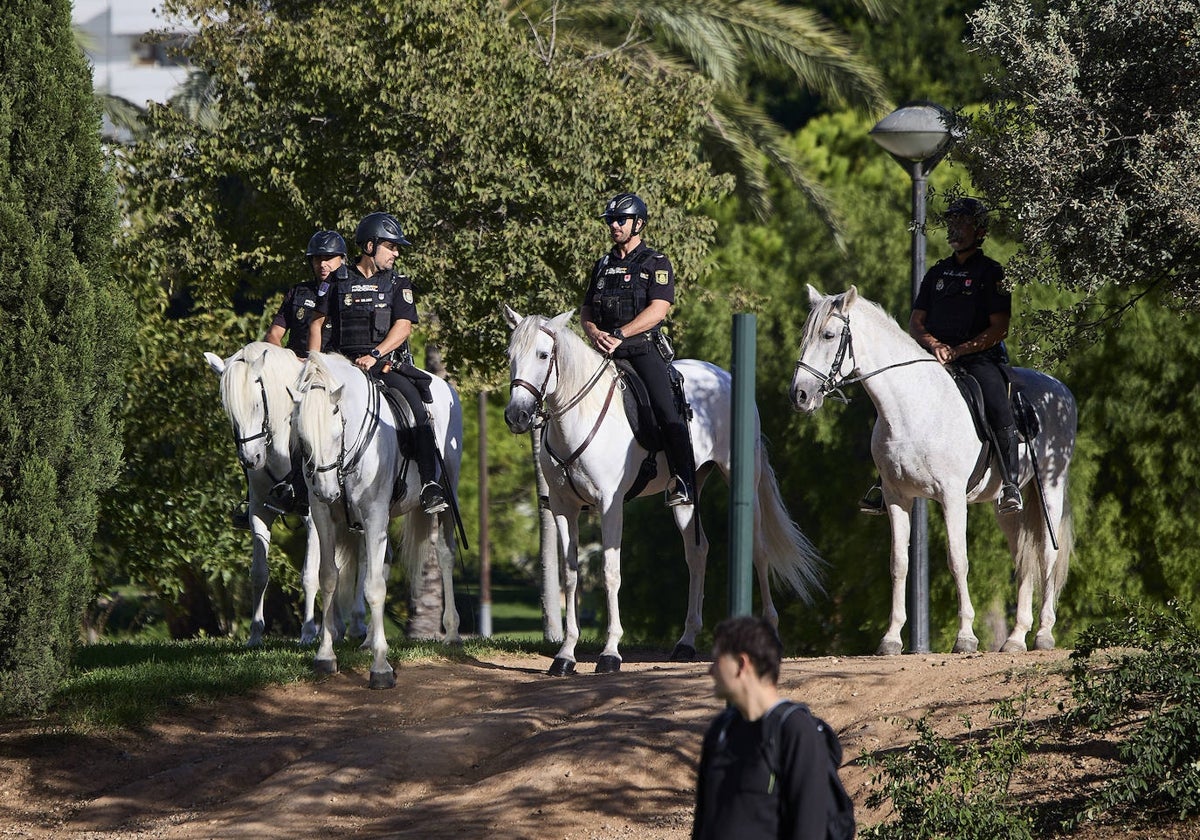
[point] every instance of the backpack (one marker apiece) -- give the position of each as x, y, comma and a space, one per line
840, 823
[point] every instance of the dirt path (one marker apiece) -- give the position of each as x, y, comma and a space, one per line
481, 749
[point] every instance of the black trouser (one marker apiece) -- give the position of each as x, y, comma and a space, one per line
652, 368
997, 407
426, 443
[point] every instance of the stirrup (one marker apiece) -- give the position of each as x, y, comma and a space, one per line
433, 500
239, 517
872, 501
1010, 500
678, 493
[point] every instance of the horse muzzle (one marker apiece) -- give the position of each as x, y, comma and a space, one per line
518, 419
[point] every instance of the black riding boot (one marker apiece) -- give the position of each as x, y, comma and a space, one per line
433, 499
681, 462
1010, 494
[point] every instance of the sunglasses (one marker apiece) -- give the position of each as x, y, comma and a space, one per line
608, 220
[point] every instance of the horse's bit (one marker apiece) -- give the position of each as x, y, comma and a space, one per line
833, 382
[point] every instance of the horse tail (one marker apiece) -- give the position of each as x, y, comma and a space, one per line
416, 546
1034, 540
790, 556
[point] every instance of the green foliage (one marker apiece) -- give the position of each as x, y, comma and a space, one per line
165, 526
1091, 146
62, 349
497, 160
942, 789
724, 41
1137, 675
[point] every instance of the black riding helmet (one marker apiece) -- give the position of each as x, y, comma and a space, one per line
626, 204
971, 208
326, 243
379, 227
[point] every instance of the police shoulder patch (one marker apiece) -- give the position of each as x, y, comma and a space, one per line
661, 277
408, 296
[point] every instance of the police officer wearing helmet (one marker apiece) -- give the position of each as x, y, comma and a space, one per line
630, 292
326, 257
372, 312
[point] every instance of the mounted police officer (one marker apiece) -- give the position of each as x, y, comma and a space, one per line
629, 294
372, 310
326, 257
961, 316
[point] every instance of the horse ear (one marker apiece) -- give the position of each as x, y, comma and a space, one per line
512, 317
560, 321
260, 361
215, 362
814, 297
851, 296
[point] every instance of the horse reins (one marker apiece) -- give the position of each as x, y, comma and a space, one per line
833, 382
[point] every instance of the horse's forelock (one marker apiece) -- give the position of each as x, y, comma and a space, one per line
817, 317
315, 417
239, 393
524, 335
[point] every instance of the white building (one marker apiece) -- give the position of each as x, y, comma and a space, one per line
124, 63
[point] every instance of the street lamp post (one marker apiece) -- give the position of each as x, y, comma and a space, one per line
917, 135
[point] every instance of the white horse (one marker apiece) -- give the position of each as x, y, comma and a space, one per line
353, 462
254, 392
925, 446
589, 457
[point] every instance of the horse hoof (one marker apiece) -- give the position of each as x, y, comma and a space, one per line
966, 645
561, 667
308, 636
325, 666
889, 648
608, 664
1043, 642
1013, 647
383, 679
683, 653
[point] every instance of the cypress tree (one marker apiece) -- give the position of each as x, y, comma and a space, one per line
63, 339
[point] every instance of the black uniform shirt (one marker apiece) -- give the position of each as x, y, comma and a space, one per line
642, 275
960, 300
354, 295
296, 312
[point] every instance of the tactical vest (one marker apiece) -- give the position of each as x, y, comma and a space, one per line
364, 312
620, 288
299, 314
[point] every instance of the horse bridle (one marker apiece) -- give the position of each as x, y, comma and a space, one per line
539, 392
343, 464
833, 382
266, 424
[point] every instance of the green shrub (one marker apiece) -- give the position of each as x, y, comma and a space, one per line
947, 789
1137, 676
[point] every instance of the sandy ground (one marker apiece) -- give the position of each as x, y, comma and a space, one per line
495, 749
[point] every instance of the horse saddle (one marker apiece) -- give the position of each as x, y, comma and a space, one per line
401, 410
636, 400
1024, 414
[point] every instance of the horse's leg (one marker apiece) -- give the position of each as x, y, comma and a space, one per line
325, 660
568, 535
1040, 564
375, 553
900, 516
310, 580
612, 520
954, 510
1012, 526
445, 555
695, 552
356, 609
261, 518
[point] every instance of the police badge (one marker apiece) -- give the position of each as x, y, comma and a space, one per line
408, 296
660, 277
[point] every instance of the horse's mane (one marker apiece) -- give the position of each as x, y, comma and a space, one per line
577, 360
240, 391
873, 312
316, 414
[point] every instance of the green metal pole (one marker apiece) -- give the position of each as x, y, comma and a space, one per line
741, 490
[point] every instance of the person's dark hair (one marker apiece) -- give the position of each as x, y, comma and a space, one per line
754, 637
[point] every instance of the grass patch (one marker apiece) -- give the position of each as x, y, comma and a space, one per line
126, 684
